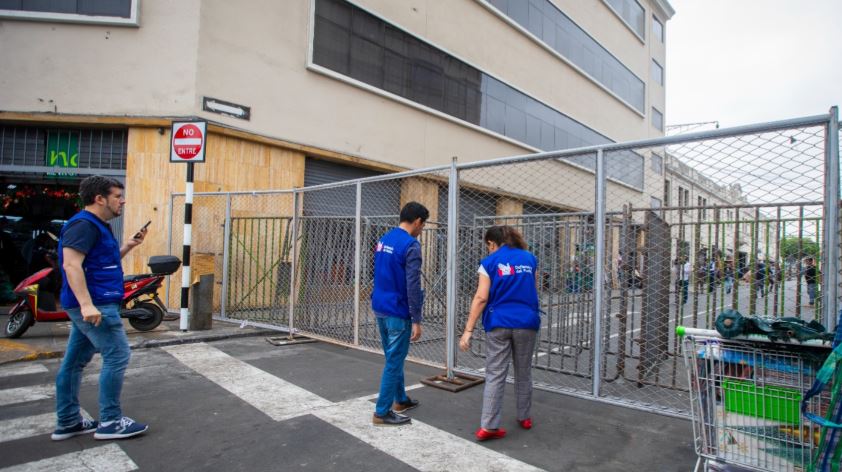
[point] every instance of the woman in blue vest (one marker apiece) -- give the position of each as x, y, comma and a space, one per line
507, 299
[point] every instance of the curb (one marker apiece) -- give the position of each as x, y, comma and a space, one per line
213, 337
147, 344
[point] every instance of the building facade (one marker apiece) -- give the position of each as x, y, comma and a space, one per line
299, 92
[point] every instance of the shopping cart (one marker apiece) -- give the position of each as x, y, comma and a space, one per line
745, 400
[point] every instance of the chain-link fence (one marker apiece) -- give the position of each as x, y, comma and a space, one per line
632, 239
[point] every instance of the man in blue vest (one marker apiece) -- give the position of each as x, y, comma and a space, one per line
397, 299
92, 290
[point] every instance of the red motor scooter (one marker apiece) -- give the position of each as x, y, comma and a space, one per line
140, 291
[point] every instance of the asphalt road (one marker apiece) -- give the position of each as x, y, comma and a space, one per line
243, 404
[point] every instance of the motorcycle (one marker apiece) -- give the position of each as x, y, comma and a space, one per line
141, 304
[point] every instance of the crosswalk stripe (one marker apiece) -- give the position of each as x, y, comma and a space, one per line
282, 400
438, 450
109, 458
29, 426
277, 398
10, 396
25, 369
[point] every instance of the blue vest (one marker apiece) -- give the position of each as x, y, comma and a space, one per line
103, 271
389, 296
512, 298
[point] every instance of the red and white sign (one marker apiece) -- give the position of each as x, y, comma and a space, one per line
188, 141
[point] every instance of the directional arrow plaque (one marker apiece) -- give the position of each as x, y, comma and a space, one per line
214, 105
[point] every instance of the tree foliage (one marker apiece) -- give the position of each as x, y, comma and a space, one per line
799, 248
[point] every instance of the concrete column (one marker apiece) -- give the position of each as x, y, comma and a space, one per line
511, 208
423, 191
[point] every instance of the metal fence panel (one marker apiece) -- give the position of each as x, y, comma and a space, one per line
723, 219
738, 217
551, 203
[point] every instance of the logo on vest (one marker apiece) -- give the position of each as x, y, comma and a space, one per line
505, 269
384, 248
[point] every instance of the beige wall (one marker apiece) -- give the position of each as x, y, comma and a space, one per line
256, 54
423, 191
93, 69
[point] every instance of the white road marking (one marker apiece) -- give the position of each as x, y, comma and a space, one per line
441, 450
375, 395
281, 400
29, 426
277, 398
10, 396
25, 369
109, 458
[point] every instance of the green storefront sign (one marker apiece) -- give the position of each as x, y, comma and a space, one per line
63, 150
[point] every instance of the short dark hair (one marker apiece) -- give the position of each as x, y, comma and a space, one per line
414, 210
95, 185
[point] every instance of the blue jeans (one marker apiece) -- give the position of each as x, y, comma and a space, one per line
684, 286
109, 339
394, 334
811, 292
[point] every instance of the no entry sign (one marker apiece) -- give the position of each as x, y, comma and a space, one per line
188, 141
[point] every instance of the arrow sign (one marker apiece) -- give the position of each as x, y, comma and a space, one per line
222, 107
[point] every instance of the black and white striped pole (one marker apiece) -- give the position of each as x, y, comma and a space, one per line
185, 254
187, 145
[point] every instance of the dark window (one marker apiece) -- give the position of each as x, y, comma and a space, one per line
556, 30
355, 43
632, 13
658, 29
657, 164
657, 72
657, 119
115, 8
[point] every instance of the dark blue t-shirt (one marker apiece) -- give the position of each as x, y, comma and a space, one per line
81, 235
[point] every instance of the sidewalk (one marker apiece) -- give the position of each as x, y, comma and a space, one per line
49, 340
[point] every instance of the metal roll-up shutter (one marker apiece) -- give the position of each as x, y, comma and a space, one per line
472, 204
379, 198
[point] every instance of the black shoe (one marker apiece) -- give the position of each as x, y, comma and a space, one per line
390, 419
405, 406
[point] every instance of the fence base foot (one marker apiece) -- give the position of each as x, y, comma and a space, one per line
287, 341
458, 383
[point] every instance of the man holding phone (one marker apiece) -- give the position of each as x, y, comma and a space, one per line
92, 292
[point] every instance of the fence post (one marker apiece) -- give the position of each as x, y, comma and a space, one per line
226, 254
452, 233
599, 270
357, 261
293, 263
830, 269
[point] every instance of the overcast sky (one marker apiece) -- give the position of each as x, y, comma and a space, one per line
748, 61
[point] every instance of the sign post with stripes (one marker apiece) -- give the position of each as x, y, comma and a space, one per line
187, 145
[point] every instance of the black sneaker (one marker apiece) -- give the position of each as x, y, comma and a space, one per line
390, 419
405, 406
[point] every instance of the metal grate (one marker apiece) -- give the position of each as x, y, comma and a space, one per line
98, 148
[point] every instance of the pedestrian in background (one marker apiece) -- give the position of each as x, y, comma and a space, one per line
729, 276
811, 275
507, 299
91, 292
759, 275
397, 299
683, 277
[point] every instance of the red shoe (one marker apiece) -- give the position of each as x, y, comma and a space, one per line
484, 434
526, 424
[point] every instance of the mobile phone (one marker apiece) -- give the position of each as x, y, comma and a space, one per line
137, 235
